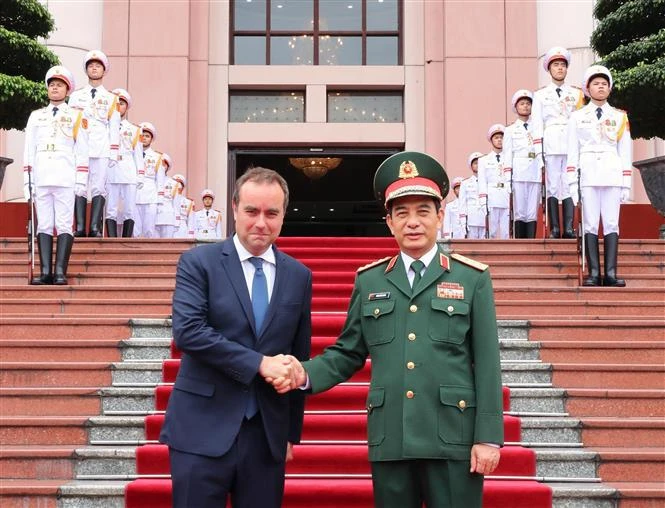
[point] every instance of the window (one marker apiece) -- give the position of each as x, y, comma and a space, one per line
316, 32
266, 106
366, 107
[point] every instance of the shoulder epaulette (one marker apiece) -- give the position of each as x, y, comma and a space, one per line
471, 262
575, 86
542, 87
373, 264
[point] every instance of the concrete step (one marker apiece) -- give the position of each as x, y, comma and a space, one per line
153, 349
623, 432
43, 430
92, 254
55, 374
37, 462
609, 351
640, 494
87, 306
48, 327
25, 493
598, 375
115, 293
631, 464
81, 350
19, 276
54, 401
603, 402
601, 329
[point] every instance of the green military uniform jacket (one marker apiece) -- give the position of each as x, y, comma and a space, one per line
436, 378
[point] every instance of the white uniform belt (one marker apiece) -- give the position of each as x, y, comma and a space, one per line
499, 185
525, 155
53, 147
556, 121
598, 149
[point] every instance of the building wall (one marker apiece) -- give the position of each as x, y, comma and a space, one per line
462, 63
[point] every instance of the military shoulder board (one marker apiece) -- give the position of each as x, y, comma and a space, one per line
373, 264
471, 262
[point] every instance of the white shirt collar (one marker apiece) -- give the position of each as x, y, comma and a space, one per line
244, 254
425, 258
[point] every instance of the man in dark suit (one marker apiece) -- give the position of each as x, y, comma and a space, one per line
427, 321
239, 307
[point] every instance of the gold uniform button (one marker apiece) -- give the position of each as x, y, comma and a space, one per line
450, 308
412, 336
413, 308
409, 394
410, 365
376, 312
461, 404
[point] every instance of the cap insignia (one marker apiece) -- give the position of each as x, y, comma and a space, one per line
408, 169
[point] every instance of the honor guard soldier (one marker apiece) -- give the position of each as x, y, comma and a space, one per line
165, 219
453, 225
427, 322
104, 139
525, 162
154, 173
599, 168
494, 185
552, 107
184, 210
126, 176
472, 211
208, 222
55, 167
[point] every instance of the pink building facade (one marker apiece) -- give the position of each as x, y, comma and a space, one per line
460, 63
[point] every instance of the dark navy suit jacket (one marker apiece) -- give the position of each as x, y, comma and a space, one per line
213, 325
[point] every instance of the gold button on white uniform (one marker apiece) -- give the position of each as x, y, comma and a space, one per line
410, 365
412, 336
413, 308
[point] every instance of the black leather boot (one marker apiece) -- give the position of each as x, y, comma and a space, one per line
45, 246
568, 212
128, 228
611, 248
62, 252
80, 206
96, 211
111, 228
530, 229
553, 217
592, 259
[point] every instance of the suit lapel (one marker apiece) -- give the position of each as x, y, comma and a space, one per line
231, 264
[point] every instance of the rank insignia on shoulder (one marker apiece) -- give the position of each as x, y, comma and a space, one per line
470, 262
372, 264
384, 295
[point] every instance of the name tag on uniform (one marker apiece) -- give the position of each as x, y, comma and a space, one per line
451, 290
379, 296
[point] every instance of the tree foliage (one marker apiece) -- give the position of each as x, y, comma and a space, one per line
630, 39
23, 60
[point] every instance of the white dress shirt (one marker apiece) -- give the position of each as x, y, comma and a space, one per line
269, 266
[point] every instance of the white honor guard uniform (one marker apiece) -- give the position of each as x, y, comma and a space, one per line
494, 188
453, 225
154, 174
55, 166
600, 154
208, 222
165, 218
101, 106
472, 211
521, 156
184, 211
552, 106
126, 176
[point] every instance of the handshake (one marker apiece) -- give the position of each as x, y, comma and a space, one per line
283, 372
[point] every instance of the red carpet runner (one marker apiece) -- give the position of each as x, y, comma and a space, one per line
330, 469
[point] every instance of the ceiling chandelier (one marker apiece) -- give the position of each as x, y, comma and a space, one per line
315, 167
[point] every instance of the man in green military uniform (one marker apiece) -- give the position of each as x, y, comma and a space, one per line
428, 323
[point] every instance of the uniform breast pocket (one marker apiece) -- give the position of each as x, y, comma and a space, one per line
449, 320
378, 322
457, 414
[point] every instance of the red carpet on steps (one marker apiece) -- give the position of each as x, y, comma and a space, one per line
333, 279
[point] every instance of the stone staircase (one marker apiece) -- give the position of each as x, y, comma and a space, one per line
80, 364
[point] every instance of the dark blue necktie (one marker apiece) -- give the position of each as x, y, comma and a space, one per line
599, 113
259, 293
558, 92
93, 92
526, 126
55, 110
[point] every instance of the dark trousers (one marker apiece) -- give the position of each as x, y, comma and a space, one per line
436, 483
247, 472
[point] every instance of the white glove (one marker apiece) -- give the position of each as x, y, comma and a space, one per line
574, 189
26, 192
80, 189
625, 194
112, 163
483, 203
139, 184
